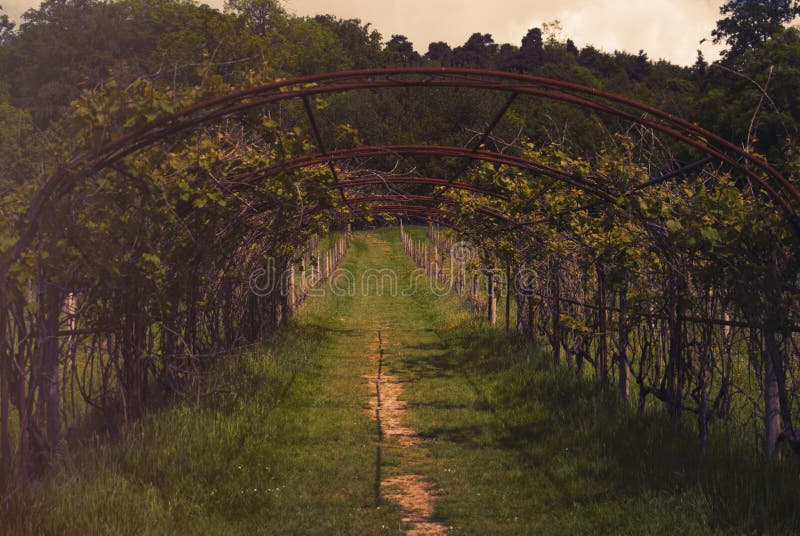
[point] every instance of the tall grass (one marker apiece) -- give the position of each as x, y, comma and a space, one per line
530, 448
283, 447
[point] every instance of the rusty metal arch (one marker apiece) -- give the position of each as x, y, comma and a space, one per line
773, 184
404, 204
576, 94
445, 151
409, 198
428, 181
416, 210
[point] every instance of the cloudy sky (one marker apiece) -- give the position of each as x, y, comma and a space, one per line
669, 29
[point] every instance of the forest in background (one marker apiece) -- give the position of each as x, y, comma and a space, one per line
66, 47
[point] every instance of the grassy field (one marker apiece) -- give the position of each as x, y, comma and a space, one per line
511, 445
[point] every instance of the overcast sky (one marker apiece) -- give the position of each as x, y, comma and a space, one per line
669, 29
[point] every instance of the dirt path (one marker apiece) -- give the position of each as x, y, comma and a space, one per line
416, 496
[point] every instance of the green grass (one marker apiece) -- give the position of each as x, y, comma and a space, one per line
521, 448
289, 451
513, 446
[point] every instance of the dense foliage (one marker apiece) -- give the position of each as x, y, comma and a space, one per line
140, 267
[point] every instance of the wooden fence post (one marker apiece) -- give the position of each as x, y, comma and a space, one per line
556, 284
492, 292
508, 297
602, 338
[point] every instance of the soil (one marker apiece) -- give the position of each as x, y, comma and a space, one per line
415, 495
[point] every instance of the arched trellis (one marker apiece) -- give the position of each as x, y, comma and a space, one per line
775, 187
409, 199
441, 151
429, 181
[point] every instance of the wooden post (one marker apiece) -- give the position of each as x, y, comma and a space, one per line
675, 379
475, 291
289, 298
772, 411
474, 295
51, 305
622, 347
492, 299
602, 337
302, 279
508, 298
531, 318
5, 369
556, 317
452, 274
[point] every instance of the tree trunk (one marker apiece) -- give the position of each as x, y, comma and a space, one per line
779, 364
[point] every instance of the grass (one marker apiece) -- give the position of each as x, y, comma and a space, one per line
514, 446
522, 448
290, 451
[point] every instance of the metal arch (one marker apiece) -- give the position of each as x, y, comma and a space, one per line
417, 210
469, 78
369, 181
431, 181
777, 187
448, 151
437, 221
410, 201
432, 199
425, 211
437, 215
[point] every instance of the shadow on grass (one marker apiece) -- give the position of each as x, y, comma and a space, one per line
591, 446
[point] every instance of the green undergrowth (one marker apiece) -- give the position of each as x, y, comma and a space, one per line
522, 448
286, 444
283, 447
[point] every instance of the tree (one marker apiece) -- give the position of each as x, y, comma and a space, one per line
356, 40
636, 67
6, 26
749, 23
66, 46
441, 52
700, 64
571, 48
261, 16
508, 58
400, 51
532, 50
18, 162
478, 52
